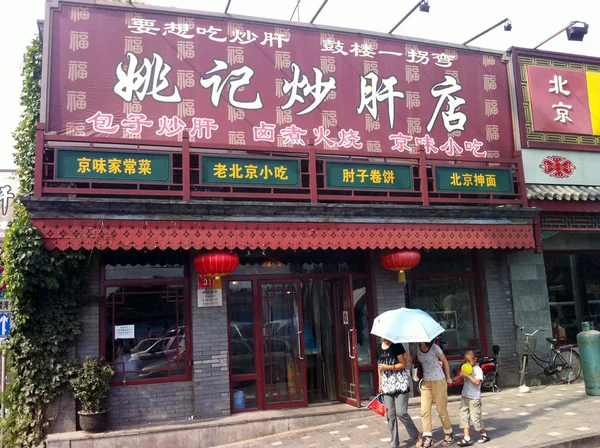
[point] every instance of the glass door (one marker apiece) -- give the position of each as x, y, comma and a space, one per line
345, 329
284, 359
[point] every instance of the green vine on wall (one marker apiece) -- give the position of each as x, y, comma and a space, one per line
45, 289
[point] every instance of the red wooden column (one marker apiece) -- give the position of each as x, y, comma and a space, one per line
185, 165
38, 176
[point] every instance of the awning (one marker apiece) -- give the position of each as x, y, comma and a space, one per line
145, 234
562, 192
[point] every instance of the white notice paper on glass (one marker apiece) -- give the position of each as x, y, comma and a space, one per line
210, 297
124, 331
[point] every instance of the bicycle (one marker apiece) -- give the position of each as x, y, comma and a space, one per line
563, 362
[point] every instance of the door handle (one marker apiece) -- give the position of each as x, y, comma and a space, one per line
300, 347
350, 343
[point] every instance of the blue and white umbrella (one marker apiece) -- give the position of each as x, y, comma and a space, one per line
406, 325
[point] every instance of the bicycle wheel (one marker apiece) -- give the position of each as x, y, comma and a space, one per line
567, 364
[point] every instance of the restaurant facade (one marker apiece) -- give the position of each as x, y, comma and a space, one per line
237, 181
559, 126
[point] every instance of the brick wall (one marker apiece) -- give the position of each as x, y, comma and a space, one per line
150, 403
388, 293
210, 341
499, 313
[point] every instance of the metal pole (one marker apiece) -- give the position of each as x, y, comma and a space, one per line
486, 31
554, 35
295, 9
319, 10
2, 384
406, 16
227, 7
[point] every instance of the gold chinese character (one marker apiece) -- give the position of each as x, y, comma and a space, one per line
467, 179
114, 166
281, 173
479, 180
220, 171
375, 176
455, 180
78, 41
412, 73
362, 174
490, 180
373, 146
129, 166
99, 166
251, 171
133, 44
185, 50
327, 64
491, 132
266, 172
388, 177
282, 59
491, 107
348, 176
489, 82
84, 165
236, 171
235, 55
145, 167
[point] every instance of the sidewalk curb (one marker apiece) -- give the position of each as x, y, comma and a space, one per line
592, 440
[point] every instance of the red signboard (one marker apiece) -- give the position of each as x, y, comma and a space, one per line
131, 72
559, 100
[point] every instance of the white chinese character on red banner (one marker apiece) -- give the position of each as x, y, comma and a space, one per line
559, 86
371, 94
475, 146
143, 26
322, 136
237, 79
362, 50
333, 46
170, 127
179, 29
417, 56
562, 112
274, 38
135, 123
427, 143
451, 147
103, 123
349, 139
443, 60
293, 135
453, 118
149, 79
203, 127
211, 32
264, 133
401, 142
243, 37
319, 90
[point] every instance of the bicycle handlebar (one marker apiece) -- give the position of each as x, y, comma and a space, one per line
522, 329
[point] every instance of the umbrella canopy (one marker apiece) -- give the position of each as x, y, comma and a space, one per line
406, 325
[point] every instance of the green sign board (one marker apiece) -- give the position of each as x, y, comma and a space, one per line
474, 180
250, 172
112, 166
359, 176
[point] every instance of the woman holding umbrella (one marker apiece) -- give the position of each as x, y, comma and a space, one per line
394, 383
406, 325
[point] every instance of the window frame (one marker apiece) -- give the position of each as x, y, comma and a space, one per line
185, 281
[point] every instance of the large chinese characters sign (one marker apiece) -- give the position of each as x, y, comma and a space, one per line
262, 86
558, 99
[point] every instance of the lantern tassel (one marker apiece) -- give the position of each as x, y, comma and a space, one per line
401, 276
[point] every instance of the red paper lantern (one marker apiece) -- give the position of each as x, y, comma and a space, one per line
400, 261
216, 264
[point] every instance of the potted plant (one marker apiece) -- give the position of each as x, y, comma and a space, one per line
90, 382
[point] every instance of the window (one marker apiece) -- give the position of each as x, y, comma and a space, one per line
573, 292
145, 323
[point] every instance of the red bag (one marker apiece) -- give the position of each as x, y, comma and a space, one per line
377, 406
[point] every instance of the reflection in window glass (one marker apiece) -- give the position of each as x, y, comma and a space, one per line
450, 301
145, 331
361, 320
244, 395
366, 385
241, 328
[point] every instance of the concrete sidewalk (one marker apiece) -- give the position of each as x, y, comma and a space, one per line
553, 416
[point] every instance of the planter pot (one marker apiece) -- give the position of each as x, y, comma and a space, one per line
94, 422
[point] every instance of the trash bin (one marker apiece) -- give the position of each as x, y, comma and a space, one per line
589, 350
